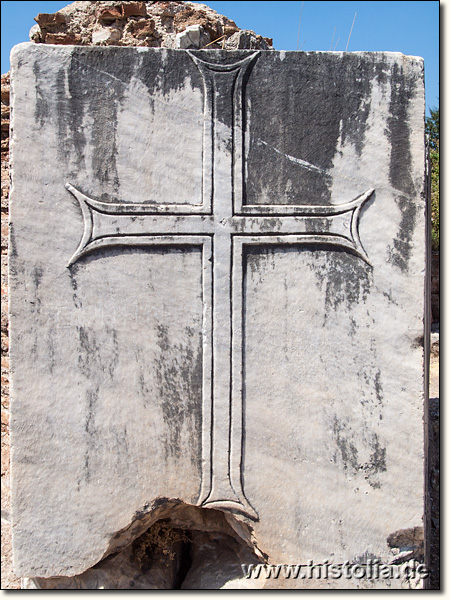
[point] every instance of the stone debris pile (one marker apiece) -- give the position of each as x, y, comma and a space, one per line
181, 25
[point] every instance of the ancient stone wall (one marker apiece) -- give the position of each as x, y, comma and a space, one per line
9, 581
150, 24
4, 281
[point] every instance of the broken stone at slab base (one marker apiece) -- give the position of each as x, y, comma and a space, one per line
185, 547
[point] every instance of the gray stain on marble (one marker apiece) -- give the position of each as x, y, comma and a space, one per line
344, 278
98, 355
179, 376
403, 91
41, 111
328, 115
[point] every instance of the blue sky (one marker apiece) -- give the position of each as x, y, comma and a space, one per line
411, 27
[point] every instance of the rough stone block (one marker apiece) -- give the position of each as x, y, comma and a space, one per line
134, 9
217, 302
46, 20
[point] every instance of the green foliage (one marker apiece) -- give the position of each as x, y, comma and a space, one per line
432, 130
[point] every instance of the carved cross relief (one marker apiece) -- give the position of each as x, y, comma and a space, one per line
222, 225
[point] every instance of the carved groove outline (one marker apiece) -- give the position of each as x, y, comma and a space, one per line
222, 232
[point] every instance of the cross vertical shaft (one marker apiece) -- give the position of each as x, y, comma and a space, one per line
222, 85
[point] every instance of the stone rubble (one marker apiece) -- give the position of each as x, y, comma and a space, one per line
150, 24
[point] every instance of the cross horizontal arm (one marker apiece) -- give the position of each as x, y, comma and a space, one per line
113, 225
104, 225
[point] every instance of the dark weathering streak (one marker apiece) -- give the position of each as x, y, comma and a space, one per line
402, 92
